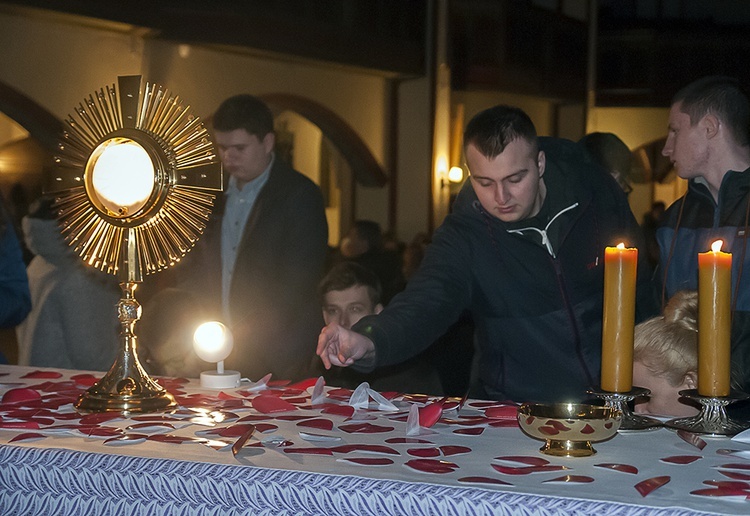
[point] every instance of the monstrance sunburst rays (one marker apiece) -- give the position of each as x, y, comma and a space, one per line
135, 180
169, 224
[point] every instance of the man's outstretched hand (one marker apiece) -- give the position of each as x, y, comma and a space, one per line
341, 347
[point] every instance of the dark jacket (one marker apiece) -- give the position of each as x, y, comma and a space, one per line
538, 317
275, 312
701, 222
15, 300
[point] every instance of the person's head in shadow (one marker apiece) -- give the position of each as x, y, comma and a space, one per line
349, 292
365, 236
612, 154
665, 357
165, 334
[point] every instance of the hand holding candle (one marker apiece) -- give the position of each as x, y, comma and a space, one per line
618, 324
714, 321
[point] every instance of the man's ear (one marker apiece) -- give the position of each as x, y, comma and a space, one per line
691, 380
269, 141
378, 308
541, 162
711, 124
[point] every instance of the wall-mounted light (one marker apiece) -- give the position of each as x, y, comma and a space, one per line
213, 342
456, 175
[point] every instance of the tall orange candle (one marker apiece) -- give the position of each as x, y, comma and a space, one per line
714, 321
618, 323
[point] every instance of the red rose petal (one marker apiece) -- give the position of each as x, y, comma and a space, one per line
502, 412
85, 380
126, 439
304, 384
449, 450
372, 448
651, 484
623, 468
172, 439
691, 438
267, 404
681, 459
21, 395
736, 475
337, 410
504, 423
721, 492
571, 479
477, 430
736, 465
264, 428
291, 417
240, 442
424, 452
319, 423
369, 461
310, 451
19, 424
99, 418
27, 436
43, 374
484, 480
365, 428
235, 430
99, 431
432, 465
524, 459
407, 440
727, 484
526, 470
430, 414
507, 470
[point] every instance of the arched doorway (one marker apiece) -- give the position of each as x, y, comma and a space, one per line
322, 145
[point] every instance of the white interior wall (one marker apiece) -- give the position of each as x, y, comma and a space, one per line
58, 64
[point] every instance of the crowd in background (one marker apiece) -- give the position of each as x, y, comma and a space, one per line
264, 266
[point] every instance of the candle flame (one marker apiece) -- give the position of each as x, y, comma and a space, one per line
716, 246
621, 245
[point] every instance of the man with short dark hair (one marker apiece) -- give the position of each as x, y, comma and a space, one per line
708, 142
258, 265
523, 251
349, 292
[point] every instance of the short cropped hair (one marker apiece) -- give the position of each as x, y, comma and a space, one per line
348, 274
494, 128
668, 344
244, 112
721, 96
612, 154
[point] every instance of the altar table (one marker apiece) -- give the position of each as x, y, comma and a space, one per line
323, 460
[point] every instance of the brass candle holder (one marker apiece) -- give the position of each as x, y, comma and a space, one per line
134, 181
712, 420
621, 401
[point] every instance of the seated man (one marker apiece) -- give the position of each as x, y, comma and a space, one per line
349, 292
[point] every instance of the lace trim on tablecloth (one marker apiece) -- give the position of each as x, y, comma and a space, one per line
55, 481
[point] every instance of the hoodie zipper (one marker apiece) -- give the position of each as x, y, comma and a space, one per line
543, 232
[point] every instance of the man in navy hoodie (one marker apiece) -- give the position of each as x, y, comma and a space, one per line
523, 251
708, 142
